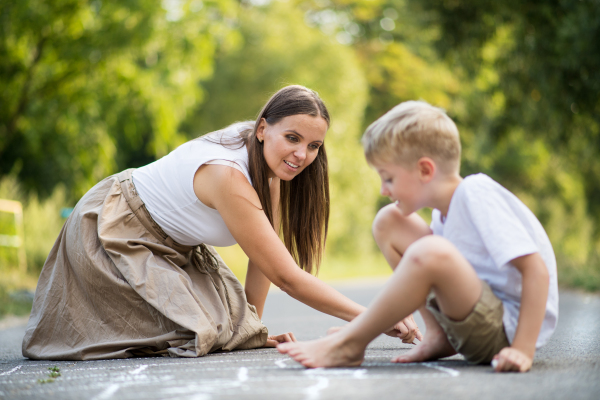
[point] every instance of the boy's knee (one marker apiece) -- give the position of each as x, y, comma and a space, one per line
384, 222
431, 252
390, 221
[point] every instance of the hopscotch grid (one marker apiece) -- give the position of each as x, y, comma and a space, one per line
390, 366
213, 384
163, 371
364, 366
322, 376
228, 382
120, 367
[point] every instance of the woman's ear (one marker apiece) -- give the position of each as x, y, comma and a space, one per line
260, 131
427, 169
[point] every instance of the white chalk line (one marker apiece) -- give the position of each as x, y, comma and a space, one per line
138, 370
11, 371
312, 392
108, 392
359, 374
243, 374
452, 372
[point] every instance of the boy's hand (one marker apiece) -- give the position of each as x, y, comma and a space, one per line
407, 330
511, 359
274, 340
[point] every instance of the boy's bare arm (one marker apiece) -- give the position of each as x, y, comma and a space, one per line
519, 356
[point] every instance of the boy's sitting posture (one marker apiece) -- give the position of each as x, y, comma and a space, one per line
484, 282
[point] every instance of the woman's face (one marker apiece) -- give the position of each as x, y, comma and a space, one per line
291, 144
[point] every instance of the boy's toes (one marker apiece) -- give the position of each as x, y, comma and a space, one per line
284, 347
399, 359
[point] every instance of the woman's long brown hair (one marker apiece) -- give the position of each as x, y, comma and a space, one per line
304, 200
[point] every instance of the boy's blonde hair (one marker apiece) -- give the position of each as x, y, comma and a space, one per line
412, 130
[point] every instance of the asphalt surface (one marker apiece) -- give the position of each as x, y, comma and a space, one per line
568, 367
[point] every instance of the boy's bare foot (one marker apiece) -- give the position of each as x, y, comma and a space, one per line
330, 351
435, 345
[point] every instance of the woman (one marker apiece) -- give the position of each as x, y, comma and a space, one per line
133, 271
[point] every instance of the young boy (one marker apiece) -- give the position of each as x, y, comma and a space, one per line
484, 282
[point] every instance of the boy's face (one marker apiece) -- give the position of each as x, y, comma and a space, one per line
401, 185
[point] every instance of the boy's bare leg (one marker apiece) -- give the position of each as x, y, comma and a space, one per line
434, 345
394, 233
430, 263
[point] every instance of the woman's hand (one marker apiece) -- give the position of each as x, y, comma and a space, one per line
407, 330
274, 340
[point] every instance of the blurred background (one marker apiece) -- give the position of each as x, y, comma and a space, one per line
89, 88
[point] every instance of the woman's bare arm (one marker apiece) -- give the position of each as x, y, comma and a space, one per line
236, 200
257, 284
256, 287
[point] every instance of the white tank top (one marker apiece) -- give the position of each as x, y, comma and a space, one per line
166, 187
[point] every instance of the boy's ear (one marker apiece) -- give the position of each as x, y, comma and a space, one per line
427, 169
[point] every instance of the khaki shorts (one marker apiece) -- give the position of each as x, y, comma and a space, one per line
480, 336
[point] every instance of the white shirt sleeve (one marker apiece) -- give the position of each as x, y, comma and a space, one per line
494, 212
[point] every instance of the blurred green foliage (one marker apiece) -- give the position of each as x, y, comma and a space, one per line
94, 87
517, 78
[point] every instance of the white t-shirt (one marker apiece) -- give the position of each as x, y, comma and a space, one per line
166, 187
490, 226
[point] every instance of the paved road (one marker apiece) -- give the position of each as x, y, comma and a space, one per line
566, 368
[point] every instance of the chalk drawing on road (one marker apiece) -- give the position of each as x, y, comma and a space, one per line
11, 371
312, 392
138, 370
243, 374
108, 392
452, 372
359, 373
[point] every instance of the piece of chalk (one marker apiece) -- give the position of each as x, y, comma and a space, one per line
494, 363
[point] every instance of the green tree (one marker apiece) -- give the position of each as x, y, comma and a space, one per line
92, 87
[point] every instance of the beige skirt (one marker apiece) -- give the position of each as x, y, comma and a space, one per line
116, 286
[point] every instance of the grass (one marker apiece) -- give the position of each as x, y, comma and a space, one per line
582, 276
52, 375
14, 288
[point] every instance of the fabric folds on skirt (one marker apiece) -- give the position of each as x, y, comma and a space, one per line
116, 286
